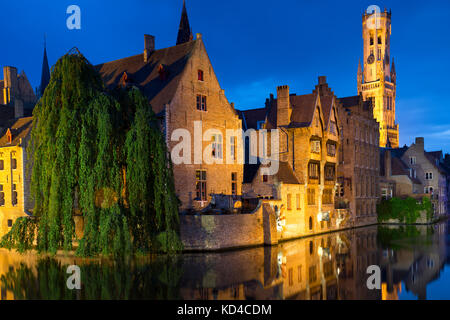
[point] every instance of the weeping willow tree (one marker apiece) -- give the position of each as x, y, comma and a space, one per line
100, 155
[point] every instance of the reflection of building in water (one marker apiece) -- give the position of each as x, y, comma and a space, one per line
415, 265
361, 252
393, 294
331, 266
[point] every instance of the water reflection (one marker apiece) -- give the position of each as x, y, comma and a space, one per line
331, 266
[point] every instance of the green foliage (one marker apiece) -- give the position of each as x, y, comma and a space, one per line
103, 156
388, 236
21, 235
118, 280
404, 210
150, 183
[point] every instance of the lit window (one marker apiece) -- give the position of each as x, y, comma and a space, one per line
201, 185
330, 172
233, 147
2, 196
14, 195
291, 276
234, 183
314, 170
315, 146
289, 201
331, 149
217, 146
327, 197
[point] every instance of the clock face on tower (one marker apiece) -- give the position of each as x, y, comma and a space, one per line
371, 59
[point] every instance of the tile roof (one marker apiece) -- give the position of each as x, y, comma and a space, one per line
6, 115
349, 102
399, 168
159, 85
20, 128
285, 173
431, 156
251, 117
303, 107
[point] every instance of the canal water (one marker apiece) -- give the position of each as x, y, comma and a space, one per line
412, 260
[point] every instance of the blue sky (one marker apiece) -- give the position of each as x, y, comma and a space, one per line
255, 46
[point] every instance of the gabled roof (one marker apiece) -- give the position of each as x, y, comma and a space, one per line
147, 75
434, 159
349, 102
399, 168
303, 108
251, 117
19, 129
285, 173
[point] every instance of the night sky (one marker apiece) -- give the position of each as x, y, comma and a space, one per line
255, 46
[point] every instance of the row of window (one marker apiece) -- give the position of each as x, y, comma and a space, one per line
315, 147
13, 164
201, 184
380, 41
327, 196
314, 171
13, 196
289, 201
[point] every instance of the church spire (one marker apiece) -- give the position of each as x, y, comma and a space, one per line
184, 31
45, 75
393, 73
360, 76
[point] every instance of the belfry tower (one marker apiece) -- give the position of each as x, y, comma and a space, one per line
377, 80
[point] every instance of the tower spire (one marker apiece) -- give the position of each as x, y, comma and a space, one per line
359, 76
184, 31
393, 73
45, 75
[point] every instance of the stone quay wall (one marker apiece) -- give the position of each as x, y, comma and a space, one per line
219, 232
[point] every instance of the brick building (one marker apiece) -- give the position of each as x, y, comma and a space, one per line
14, 180
308, 141
358, 169
17, 98
416, 173
184, 93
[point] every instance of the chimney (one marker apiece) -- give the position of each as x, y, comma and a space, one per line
149, 46
387, 163
322, 80
10, 83
18, 108
283, 106
420, 143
